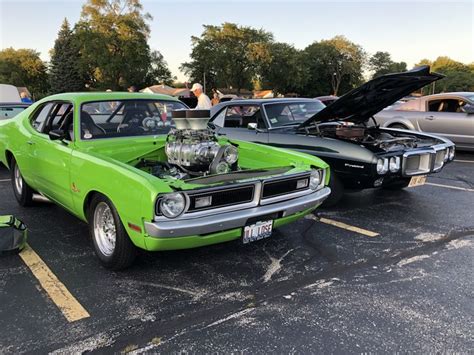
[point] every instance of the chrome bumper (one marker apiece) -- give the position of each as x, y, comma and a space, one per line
425, 161
181, 227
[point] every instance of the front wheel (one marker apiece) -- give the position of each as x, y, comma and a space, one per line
22, 191
112, 245
337, 191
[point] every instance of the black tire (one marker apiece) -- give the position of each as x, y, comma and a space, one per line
22, 191
397, 185
123, 252
399, 126
337, 191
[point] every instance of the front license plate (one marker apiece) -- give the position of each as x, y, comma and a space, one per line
257, 231
417, 181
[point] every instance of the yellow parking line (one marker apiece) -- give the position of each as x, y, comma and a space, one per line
56, 290
450, 187
464, 161
348, 227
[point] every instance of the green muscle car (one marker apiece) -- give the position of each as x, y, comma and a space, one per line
145, 172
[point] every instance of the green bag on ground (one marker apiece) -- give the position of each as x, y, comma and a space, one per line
13, 234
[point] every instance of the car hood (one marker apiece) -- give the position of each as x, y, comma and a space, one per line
361, 103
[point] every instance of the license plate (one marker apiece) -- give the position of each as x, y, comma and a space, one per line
257, 231
417, 181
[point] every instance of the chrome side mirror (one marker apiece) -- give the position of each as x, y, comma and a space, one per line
252, 126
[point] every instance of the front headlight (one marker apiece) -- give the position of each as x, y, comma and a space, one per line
451, 153
315, 179
231, 154
394, 164
172, 205
382, 166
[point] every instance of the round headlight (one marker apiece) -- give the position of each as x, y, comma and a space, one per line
382, 166
394, 164
231, 154
451, 153
172, 205
314, 179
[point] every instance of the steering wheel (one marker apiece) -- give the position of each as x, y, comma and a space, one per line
132, 121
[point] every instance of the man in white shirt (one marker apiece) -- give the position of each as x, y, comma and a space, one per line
204, 103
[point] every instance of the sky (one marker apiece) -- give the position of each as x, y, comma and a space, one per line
408, 30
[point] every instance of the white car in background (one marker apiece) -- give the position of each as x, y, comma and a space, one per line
10, 102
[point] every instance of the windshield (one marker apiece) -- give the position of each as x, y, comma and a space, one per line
10, 111
286, 114
108, 119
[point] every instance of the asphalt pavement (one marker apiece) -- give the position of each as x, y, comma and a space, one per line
385, 271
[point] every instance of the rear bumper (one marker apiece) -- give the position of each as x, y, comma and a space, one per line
235, 219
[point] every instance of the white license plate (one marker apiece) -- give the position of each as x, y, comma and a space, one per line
417, 181
257, 231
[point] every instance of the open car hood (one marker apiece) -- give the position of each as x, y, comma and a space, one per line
361, 103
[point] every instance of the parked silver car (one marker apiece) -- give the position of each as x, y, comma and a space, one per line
450, 115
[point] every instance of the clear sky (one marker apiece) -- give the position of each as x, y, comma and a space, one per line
409, 30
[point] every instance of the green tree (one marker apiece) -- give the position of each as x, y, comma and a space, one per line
158, 71
332, 66
282, 73
113, 37
381, 63
24, 67
228, 55
65, 69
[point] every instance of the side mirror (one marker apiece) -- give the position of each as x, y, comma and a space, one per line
468, 108
252, 126
57, 134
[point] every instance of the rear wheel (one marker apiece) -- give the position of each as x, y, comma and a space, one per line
112, 245
337, 191
22, 191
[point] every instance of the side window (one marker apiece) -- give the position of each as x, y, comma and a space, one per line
241, 116
40, 117
219, 119
446, 105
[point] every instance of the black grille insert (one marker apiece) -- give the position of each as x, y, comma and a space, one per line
223, 198
283, 187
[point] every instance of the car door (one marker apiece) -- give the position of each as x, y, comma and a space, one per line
444, 116
243, 122
50, 159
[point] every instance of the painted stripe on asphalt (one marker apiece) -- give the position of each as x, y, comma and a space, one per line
56, 290
4, 180
450, 187
464, 161
348, 227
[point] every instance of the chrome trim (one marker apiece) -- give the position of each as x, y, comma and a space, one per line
230, 220
432, 151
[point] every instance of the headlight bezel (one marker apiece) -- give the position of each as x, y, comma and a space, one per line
452, 153
316, 179
163, 198
382, 166
396, 166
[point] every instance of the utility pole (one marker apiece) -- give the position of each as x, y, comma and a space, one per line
204, 81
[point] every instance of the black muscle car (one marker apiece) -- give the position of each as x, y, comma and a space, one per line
360, 155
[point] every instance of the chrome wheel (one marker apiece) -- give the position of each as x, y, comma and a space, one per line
105, 232
18, 180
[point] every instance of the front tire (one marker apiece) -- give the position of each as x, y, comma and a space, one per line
112, 245
337, 191
22, 191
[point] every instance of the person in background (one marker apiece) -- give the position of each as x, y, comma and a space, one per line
24, 98
204, 103
132, 88
215, 97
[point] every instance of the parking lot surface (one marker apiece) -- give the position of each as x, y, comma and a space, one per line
384, 271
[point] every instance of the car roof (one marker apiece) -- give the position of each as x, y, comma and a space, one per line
80, 97
265, 101
447, 94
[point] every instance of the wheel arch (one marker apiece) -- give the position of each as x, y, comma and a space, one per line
8, 158
400, 121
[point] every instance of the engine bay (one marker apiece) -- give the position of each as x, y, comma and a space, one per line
372, 137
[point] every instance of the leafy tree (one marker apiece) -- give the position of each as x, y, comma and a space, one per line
228, 55
282, 73
381, 63
24, 67
158, 71
113, 36
65, 69
332, 66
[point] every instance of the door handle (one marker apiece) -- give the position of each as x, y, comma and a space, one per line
30, 142
430, 118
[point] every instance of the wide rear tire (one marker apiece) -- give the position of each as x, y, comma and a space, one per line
22, 191
112, 245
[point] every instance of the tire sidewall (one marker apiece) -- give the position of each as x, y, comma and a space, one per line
24, 197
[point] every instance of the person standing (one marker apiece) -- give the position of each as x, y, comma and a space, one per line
25, 98
204, 103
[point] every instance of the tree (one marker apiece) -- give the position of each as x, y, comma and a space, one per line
332, 66
228, 55
24, 67
158, 71
381, 63
113, 37
65, 69
282, 73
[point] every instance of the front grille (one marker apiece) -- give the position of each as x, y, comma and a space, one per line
439, 160
417, 164
223, 197
283, 187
